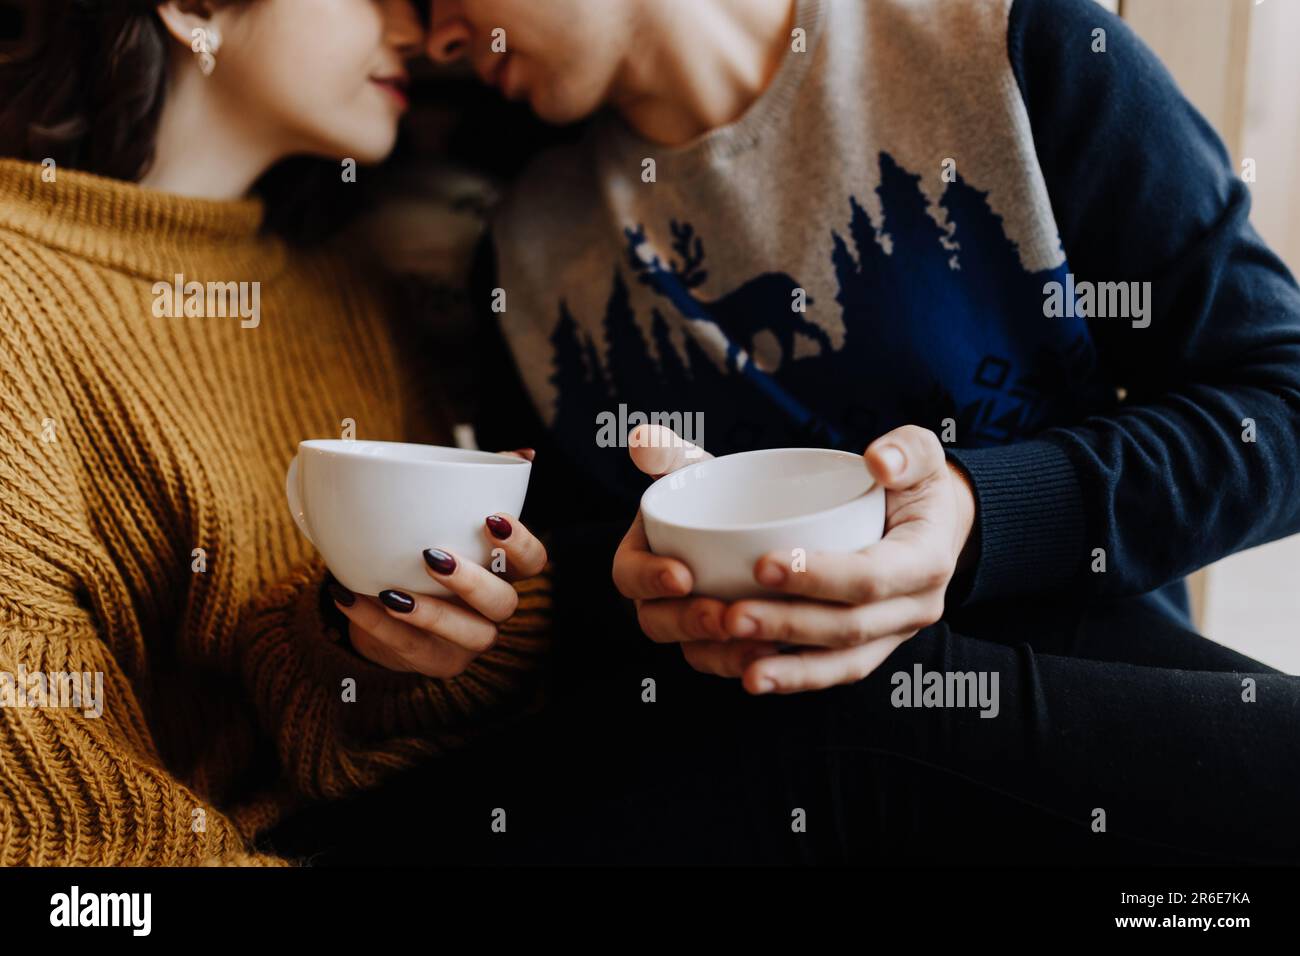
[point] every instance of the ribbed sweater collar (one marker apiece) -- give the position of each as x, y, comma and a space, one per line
128, 227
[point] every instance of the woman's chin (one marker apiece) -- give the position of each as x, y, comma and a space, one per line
374, 152
369, 149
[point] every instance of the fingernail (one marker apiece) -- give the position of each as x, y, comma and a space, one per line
744, 627
766, 685
893, 459
499, 527
398, 601
529, 453
440, 561
771, 575
338, 592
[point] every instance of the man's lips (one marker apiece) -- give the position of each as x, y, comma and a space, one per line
495, 72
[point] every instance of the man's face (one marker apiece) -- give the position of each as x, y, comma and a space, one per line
562, 56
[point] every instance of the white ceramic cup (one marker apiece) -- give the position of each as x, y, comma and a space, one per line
371, 508
721, 515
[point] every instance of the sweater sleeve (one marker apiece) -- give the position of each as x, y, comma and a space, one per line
81, 779
340, 723
87, 784
84, 788
1202, 458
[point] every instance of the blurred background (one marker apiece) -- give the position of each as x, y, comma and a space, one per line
1237, 61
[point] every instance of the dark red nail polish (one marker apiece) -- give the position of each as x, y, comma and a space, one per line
338, 592
440, 560
398, 601
499, 527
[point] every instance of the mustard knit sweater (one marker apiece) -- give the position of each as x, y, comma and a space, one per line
144, 536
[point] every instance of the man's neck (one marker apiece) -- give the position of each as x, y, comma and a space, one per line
704, 64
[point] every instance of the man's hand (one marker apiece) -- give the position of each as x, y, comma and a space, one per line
658, 585
850, 610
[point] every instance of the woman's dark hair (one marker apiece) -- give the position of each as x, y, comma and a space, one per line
82, 82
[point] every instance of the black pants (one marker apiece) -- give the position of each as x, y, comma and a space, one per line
1120, 737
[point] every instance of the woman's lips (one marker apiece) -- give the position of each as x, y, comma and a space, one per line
395, 86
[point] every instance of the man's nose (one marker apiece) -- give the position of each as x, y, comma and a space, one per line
402, 29
448, 41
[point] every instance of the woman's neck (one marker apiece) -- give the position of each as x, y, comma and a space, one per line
709, 63
203, 148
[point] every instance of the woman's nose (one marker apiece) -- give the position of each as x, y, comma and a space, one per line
448, 41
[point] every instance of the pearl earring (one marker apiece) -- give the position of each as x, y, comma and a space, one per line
205, 42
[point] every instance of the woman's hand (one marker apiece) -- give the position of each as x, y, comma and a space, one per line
441, 637
850, 610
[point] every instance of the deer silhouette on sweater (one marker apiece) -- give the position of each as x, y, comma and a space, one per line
765, 304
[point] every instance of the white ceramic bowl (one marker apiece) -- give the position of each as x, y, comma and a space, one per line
721, 515
371, 508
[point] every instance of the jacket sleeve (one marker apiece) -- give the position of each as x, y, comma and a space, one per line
1202, 457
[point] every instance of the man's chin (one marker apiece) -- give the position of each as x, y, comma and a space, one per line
557, 112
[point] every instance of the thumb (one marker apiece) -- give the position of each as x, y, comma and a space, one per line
905, 457
657, 450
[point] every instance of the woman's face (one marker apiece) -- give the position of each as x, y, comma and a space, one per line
324, 77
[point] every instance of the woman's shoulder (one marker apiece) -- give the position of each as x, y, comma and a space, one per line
29, 285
